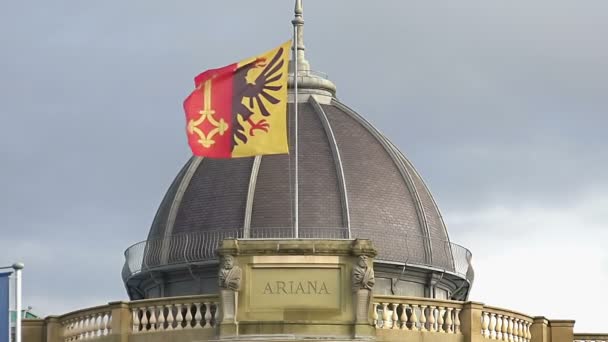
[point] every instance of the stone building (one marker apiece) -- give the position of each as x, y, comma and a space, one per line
371, 257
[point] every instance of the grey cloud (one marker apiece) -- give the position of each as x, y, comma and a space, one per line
496, 103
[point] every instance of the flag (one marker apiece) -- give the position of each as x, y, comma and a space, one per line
240, 110
4, 307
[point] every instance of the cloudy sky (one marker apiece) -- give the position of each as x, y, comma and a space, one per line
501, 105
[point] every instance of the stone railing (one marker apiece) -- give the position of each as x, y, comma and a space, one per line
590, 337
417, 314
121, 319
505, 325
475, 320
87, 324
394, 318
168, 314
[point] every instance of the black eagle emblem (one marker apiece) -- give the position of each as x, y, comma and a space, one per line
261, 88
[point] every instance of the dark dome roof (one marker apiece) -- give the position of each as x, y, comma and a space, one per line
351, 175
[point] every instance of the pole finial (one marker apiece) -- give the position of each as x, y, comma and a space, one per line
298, 25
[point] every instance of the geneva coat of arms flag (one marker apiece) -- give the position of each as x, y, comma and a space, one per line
240, 110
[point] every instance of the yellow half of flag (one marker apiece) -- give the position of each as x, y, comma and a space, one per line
260, 104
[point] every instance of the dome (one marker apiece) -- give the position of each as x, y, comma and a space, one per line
353, 183
351, 178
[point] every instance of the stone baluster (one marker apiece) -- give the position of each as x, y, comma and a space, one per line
161, 318
385, 316
87, 327
375, 316
73, 329
97, 318
403, 317
485, 324
431, 318
449, 322
395, 317
528, 333
457, 321
189, 316
91, 326
101, 323
505, 328
179, 318
76, 331
499, 327
423, 317
135, 320
516, 337
94, 325
511, 325
66, 330
413, 320
492, 327
198, 316
207, 315
169, 317
109, 324
152, 319
522, 335
440, 319
83, 328
79, 329
144, 319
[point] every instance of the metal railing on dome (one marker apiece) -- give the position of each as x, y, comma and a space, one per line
199, 247
311, 73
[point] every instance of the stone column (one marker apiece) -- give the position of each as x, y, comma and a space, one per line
34, 330
540, 330
470, 321
121, 321
561, 330
54, 330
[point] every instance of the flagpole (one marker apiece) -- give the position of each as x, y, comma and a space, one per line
18, 266
296, 22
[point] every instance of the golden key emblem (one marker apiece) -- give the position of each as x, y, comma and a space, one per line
219, 127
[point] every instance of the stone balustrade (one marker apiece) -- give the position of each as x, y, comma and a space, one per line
590, 337
137, 317
417, 314
505, 325
85, 325
162, 315
395, 318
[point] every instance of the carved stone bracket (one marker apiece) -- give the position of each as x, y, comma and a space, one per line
229, 281
363, 281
